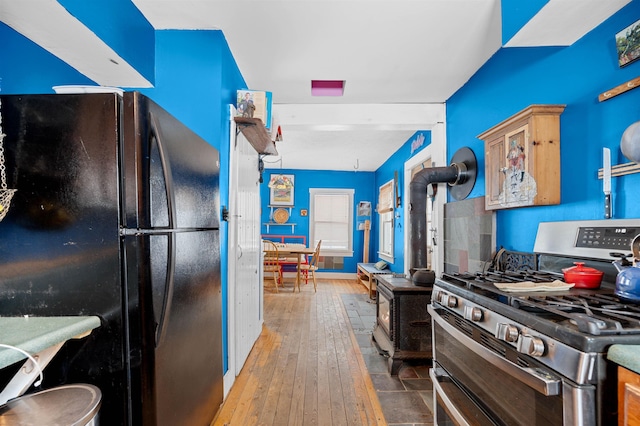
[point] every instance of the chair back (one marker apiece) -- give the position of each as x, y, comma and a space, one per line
271, 256
316, 254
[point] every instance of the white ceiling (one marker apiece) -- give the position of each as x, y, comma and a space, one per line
401, 60
396, 57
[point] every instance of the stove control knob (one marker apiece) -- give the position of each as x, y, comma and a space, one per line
452, 301
530, 345
472, 313
507, 332
448, 300
438, 296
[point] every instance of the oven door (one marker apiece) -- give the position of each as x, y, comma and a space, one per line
480, 380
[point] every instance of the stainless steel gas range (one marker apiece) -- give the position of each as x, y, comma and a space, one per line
533, 358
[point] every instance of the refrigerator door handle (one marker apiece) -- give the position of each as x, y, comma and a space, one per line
168, 290
171, 252
156, 135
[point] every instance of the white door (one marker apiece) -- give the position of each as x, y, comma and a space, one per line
245, 307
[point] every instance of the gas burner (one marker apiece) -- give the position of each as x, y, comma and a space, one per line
505, 276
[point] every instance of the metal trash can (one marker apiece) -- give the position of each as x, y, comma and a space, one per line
69, 405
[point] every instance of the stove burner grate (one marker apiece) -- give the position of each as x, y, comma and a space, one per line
591, 312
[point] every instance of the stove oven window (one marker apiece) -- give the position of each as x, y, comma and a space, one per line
384, 313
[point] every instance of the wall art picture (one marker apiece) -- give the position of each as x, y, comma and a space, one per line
281, 190
364, 208
628, 44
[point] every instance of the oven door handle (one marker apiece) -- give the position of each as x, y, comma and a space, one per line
435, 374
531, 377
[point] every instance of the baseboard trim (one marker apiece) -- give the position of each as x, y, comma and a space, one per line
337, 275
329, 275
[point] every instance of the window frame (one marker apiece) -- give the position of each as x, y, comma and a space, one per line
386, 228
326, 249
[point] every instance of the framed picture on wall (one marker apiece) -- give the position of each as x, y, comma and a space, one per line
628, 44
281, 190
364, 208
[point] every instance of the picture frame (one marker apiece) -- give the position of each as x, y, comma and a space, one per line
628, 44
364, 208
280, 196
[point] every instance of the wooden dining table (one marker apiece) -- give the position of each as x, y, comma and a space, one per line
298, 252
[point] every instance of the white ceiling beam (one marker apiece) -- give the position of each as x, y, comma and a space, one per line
52, 27
356, 116
563, 22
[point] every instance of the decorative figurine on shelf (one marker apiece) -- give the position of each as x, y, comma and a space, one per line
246, 107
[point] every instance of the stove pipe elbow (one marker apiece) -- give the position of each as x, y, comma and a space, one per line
420, 274
461, 177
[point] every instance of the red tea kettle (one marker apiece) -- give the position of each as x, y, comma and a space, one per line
628, 278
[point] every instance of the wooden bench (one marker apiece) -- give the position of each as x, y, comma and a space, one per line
366, 271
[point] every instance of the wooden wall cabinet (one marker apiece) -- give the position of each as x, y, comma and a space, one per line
522, 159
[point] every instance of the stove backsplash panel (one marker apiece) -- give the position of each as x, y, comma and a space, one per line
469, 235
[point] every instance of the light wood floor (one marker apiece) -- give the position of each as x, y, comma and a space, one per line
306, 368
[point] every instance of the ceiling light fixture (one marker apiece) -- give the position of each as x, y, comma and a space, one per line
327, 87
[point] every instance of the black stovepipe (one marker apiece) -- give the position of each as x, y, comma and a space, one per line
453, 174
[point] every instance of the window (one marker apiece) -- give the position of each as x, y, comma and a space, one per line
331, 220
385, 213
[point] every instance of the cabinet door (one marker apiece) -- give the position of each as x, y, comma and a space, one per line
522, 159
494, 171
520, 186
628, 398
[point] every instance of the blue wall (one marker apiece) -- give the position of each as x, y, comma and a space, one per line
365, 190
515, 78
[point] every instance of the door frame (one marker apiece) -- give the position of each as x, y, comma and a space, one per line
437, 151
232, 235
244, 278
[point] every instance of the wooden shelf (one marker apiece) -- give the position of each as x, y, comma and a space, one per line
256, 133
270, 224
618, 90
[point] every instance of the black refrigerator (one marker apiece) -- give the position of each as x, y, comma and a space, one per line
117, 215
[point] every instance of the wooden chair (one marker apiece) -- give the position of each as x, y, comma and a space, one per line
271, 263
311, 267
289, 263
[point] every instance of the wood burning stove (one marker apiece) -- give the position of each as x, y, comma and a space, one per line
403, 326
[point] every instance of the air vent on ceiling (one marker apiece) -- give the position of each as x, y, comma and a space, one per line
327, 87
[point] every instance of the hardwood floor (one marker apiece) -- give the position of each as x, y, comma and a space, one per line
305, 368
